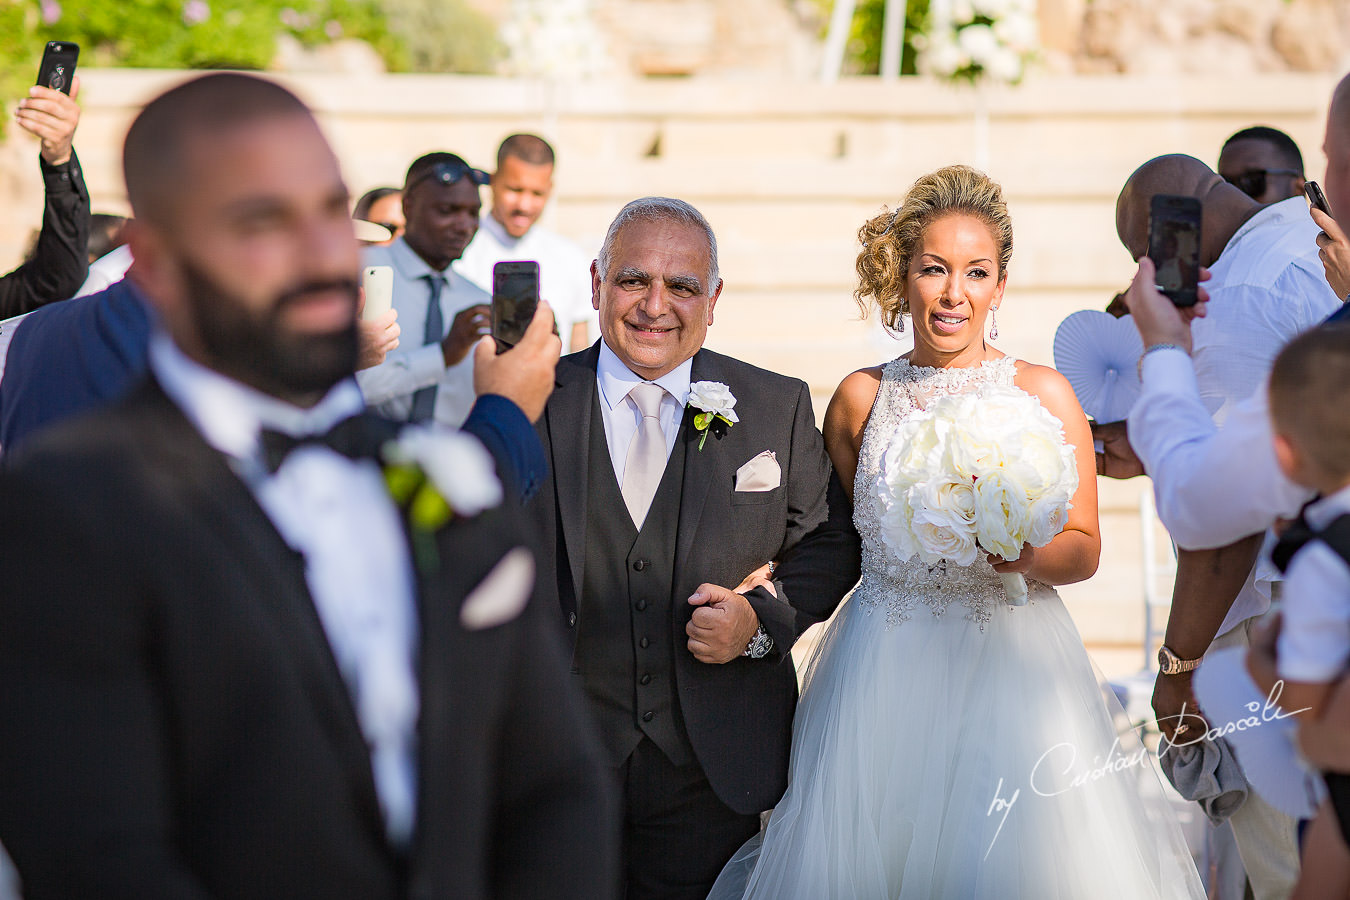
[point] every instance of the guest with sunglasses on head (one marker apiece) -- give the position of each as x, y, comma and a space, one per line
442, 313
1264, 163
384, 207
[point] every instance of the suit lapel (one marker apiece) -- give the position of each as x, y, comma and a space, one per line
701, 467
221, 501
569, 425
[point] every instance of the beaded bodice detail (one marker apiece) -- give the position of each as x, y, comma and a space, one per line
900, 587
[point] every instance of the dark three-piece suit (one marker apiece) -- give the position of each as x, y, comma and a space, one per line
622, 596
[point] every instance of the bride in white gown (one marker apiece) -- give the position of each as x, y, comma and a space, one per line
948, 744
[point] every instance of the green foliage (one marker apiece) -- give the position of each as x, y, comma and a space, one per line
862, 54
198, 34
444, 36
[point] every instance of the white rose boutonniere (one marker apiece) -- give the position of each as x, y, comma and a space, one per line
435, 474
715, 403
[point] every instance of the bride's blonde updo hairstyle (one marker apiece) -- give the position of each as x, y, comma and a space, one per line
888, 240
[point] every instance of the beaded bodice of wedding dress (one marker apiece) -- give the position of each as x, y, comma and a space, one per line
895, 587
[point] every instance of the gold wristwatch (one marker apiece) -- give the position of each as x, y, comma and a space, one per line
1171, 664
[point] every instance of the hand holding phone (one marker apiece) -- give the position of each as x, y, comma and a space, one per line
378, 283
1174, 247
57, 70
1316, 197
515, 296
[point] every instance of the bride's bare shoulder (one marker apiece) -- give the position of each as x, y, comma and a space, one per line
853, 399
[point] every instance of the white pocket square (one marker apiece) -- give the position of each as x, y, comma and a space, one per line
760, 474
502, 595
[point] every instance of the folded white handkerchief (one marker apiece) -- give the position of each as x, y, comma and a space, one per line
502, 595
760, 474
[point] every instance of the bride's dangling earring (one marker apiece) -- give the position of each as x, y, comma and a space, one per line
993, 323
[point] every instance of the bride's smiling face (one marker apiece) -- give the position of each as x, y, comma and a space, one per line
953, 282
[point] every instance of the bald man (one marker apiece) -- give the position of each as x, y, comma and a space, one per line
234, 664
1266, 287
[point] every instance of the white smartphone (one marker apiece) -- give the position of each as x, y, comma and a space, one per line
378, 282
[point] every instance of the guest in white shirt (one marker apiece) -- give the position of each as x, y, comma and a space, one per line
1267, 287
430, 376
521, 187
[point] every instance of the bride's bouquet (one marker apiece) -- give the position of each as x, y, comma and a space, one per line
982, 471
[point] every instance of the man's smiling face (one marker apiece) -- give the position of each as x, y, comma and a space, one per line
655, 301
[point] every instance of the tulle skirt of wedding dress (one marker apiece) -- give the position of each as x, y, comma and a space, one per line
931, 759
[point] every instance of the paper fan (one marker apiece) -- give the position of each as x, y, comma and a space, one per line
1099, 355
1266, 745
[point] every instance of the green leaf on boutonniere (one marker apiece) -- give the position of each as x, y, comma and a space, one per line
429, 510
702, 421
403, 481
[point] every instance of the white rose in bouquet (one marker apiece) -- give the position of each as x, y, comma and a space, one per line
1001, 514
1048, 516
942, 534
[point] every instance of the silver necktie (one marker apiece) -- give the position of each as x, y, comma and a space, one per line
646, 461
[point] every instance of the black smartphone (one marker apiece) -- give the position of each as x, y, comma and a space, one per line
1316, 197
515, 296
1174, 246
58, 65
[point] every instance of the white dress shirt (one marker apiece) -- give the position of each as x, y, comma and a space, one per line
389, 387
564, 271
1213, 485
1314, 643
337, 513
1266, 288
622, 416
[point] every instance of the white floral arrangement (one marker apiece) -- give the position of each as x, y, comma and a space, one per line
435, 474
557, 39
976, 472
714, 402
973, 40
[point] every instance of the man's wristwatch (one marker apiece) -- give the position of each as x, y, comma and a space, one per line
759, 645
1171, 664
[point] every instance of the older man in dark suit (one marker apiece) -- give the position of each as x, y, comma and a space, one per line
254, 642
678, 471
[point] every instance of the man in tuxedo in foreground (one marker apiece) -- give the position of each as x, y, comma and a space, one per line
654, 508
234, 671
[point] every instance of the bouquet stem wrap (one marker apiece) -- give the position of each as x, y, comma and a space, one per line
1015, 587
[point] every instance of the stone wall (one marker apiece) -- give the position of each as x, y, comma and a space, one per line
786, 172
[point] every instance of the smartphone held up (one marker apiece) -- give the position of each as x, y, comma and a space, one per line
1174, 247
57, 70
515, 296
1316, 197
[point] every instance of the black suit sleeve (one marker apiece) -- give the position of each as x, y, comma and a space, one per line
820, 559
84, 805
60, 262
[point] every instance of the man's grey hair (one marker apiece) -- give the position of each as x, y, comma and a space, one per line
660, 209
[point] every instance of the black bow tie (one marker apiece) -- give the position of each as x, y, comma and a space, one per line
1336, 536
1291, 541
350, 437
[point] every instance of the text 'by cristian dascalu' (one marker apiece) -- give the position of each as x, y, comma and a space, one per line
1060, 762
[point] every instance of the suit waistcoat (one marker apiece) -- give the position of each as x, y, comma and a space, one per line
624, 647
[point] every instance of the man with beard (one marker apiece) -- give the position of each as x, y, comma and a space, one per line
441, 312
254, 642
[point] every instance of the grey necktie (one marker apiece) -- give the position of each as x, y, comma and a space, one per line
424, 400
646, 454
